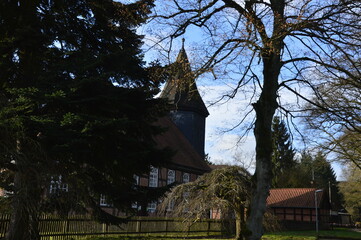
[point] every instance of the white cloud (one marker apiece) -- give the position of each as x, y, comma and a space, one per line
223, 145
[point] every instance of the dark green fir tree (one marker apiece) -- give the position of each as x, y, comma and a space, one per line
325, 178
283, 154
314, 171
76, 106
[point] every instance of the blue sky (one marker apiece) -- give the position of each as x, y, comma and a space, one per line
223, 145
226, 146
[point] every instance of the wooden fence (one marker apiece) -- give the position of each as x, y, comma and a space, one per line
79, 226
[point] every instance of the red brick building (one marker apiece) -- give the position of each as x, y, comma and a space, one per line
296, 207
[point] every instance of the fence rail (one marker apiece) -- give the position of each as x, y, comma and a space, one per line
79, 226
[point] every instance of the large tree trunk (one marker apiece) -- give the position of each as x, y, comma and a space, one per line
24, 218
265, 108
25, 201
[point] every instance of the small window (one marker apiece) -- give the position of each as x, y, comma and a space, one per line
185, 196
153, 177
152, 206
171, 176
135, 205
57, 185
185, 199
170, 206
186, 177
103, 200
136, 179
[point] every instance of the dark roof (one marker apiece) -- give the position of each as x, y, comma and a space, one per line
186, 155
181, 88
294, 197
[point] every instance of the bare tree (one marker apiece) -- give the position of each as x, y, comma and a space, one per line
351, 191
275, 46
338, 119
226, 190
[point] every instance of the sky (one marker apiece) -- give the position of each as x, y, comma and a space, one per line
226, 147
223, 145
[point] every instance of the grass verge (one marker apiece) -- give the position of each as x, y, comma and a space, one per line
339, 233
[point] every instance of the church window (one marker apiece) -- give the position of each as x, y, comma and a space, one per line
171, 176
103, 200
185, 199
135, 205
170, 206
152, 206
153, 177
136, 179
186, 177
57, 185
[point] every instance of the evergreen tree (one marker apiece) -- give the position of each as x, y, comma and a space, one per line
325, 178
283, 154
316, 172
76, 104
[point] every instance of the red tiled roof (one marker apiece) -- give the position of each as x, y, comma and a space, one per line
293, 197
185, 154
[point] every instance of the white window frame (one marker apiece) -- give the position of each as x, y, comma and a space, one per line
57, 185
170, 176
136, 178
186, 178
170, 206
135, 205
185, 199
153, 177
152, 207
103, 201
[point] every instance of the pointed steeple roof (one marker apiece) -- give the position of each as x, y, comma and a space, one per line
181, 88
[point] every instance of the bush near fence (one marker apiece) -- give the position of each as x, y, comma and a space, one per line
52, 227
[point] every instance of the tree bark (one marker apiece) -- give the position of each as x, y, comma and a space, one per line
25, 201
24, 218
265, 108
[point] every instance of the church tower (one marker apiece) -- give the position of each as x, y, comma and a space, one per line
188, 109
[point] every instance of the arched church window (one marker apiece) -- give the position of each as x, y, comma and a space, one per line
171, 176
153, 177
186, 177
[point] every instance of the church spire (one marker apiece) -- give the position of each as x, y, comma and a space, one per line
181, 88
188, 109
182, 68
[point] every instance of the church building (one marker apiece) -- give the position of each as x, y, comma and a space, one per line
185, 130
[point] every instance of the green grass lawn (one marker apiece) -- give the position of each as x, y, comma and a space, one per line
287, 235
311, 235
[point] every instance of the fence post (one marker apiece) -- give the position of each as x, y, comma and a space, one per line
82, 226
65, 226
209, 226
139, 226
4, 224
104, 229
